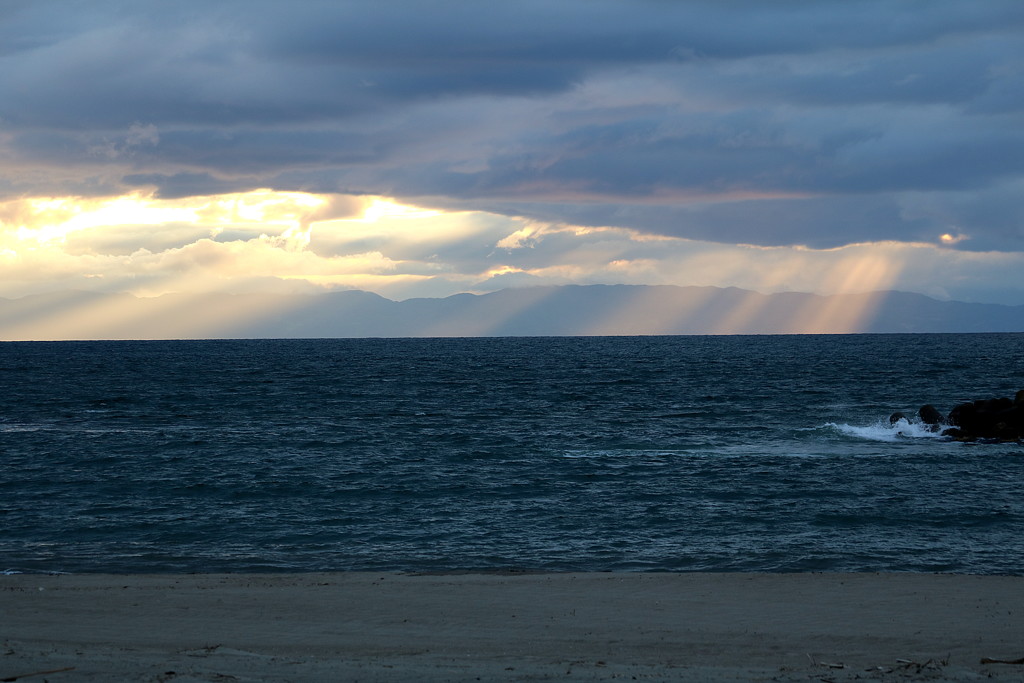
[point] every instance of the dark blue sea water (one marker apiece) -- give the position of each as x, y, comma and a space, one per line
764, 453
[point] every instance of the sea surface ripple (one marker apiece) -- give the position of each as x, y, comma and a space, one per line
717, 453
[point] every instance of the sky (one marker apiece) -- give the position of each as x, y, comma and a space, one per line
422, 148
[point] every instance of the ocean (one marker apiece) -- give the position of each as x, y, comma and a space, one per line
682, 453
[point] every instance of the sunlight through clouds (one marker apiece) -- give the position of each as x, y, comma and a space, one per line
423, 150
150, 246
267, 242
649, 310
867, 274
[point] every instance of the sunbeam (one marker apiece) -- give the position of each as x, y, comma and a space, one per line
865, 275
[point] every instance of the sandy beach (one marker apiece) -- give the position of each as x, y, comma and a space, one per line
517, 627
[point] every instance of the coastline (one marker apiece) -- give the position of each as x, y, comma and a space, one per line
511, 626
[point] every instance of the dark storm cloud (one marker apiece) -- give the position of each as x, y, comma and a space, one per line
460, 33
814, 123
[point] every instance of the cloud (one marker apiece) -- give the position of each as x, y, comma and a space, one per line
772, 124
267, 241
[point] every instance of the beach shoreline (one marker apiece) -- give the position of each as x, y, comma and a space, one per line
378, 626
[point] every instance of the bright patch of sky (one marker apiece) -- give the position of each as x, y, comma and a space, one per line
424, 149
297, 242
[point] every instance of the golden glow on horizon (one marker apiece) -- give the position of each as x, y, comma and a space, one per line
168, 317
857, 274
735, 320
268, 241
649, 311
868, 274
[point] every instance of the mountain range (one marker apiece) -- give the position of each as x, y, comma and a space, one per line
533, 311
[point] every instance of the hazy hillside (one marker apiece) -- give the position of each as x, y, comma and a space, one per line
569, 310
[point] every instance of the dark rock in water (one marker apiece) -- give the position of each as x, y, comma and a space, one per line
999, 419
896, 417
930, 416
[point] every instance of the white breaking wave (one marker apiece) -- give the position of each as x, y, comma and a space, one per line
883, 431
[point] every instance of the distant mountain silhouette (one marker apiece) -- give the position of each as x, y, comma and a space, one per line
537, 311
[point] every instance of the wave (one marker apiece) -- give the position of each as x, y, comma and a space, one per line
884, 431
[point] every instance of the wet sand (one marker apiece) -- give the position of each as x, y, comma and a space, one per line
516, 627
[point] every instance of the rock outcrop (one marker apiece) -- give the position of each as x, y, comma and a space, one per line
992, 419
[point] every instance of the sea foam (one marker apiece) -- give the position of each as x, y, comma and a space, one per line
883, 431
